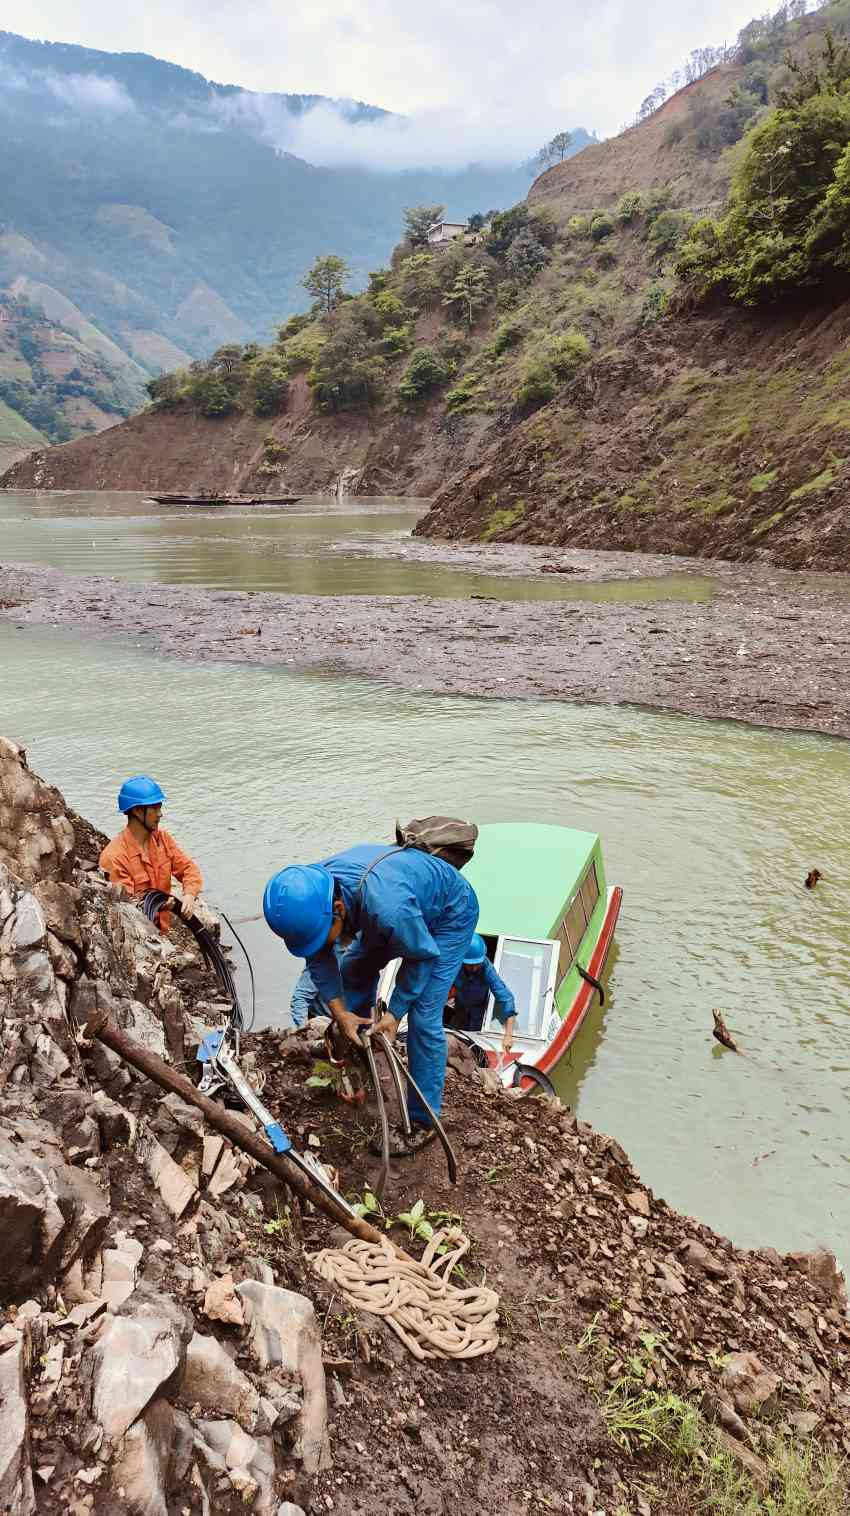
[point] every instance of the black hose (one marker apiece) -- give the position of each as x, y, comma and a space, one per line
154, 902
528, 1071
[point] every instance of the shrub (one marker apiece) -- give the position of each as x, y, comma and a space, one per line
578, 226
630, 206
566, 353
538, 384
425, 372
508, 334
293, 326
397, 340
601, 226
463, 397
666, 231
654, 304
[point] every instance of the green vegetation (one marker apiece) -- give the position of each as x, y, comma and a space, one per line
786, 228
645, 1418
326, 281
417, 220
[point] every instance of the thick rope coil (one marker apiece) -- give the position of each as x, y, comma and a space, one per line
432, 1317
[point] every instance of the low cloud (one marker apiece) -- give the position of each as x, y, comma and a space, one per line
329, 135
79, 93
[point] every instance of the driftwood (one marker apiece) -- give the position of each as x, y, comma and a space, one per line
279, 1164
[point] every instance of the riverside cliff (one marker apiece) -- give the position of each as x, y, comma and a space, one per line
165, 1346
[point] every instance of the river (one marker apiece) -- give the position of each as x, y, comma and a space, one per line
710, 827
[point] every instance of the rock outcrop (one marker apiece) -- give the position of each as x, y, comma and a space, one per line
107, 1382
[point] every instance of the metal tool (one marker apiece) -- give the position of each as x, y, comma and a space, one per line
218, 1053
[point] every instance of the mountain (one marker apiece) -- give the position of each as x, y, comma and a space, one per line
160, 212
616, 361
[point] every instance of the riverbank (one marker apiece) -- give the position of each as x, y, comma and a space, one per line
166, 1347
767, 648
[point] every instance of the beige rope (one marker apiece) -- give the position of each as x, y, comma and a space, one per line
432, 1317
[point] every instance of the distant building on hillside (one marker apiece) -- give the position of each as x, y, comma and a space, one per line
445, 231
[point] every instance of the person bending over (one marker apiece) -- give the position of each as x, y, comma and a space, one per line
397, 903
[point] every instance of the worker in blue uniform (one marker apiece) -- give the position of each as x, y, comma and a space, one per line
398, 903
476, 981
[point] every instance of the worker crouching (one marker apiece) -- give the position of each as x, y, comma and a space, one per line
145, 856
398, 903
477, 980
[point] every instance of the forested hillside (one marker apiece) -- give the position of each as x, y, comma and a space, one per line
631, 372
159, 209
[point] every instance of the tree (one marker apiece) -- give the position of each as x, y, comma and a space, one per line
425, 372
476, 221
525, 257
269, 388
326, 282
347, 372
469, 292
417, 219
225, 359
556, 150
505, 226
418, 280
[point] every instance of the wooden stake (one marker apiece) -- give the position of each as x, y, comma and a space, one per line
279, 1164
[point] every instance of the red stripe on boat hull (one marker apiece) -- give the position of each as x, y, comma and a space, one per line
571, 1023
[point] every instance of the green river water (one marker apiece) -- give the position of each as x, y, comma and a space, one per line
710, 827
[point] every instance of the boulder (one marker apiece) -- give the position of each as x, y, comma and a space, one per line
248, 1462
16, 1486
821, 1267
142, 1467
221, 1303
698, 1260
36, 835
141, 1356
214, 1382
50, 1214
283, 1333
751, 1385
61, 906
174, 1185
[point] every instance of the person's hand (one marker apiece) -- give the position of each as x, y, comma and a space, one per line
350, 1025
388, 1026
187, 907
507, 1039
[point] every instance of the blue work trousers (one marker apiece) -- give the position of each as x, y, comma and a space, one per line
426, 1039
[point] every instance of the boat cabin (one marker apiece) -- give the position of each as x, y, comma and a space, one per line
546, 915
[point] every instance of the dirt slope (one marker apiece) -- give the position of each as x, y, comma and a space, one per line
409, 454
724, 434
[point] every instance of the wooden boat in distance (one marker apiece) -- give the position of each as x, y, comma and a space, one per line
223, 499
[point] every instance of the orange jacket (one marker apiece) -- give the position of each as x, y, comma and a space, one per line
125, 863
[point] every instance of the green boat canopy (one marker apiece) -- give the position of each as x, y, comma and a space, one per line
524, 874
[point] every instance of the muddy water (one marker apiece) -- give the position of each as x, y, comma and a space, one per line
316, 547
710, 827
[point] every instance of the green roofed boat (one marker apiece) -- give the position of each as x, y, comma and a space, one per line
547, 917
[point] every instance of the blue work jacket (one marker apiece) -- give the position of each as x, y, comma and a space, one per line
396, 909
473, 988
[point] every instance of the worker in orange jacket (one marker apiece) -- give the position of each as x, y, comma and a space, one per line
144, 856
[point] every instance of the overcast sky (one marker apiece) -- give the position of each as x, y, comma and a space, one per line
496, 66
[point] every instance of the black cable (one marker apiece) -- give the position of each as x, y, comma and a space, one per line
250, 1027
155, 901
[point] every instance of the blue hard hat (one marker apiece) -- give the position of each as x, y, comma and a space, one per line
476, 952
140, 790
298, 906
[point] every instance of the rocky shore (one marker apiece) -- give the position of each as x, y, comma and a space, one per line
766, 648
166, 1348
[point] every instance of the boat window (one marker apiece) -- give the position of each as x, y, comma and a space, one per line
574, 925
589, 891
528, 969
